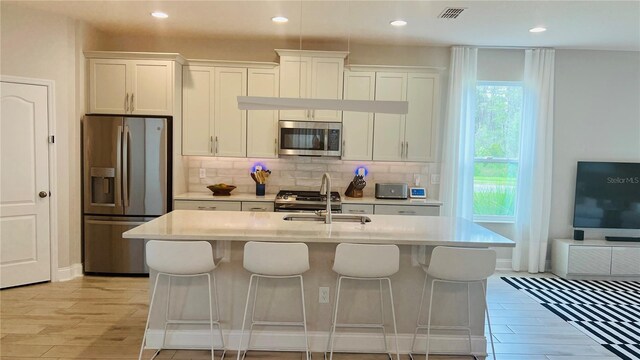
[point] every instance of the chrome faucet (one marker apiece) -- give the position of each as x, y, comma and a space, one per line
325, 189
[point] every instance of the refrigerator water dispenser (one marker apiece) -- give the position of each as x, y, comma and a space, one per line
103, 186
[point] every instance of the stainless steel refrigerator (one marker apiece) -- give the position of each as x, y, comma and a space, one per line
126, 172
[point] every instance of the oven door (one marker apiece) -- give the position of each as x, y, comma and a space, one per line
310, 138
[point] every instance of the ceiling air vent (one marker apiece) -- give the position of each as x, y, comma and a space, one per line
451, 13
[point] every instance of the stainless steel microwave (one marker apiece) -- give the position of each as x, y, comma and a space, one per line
310, 138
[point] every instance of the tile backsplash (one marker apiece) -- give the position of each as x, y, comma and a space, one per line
304, 173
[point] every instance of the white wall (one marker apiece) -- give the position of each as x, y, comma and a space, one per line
36, 44
597, 117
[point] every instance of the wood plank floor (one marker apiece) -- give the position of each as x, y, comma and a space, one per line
103, 318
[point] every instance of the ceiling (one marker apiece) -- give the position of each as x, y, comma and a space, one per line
606, 25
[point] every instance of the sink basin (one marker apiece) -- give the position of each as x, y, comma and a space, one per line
335, 218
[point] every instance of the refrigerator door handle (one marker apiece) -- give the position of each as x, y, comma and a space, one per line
125, 166
118, 192
114, 222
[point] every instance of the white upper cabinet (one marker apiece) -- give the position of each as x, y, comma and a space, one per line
420, 132
389, 128
357, 127
212, 123
410, 137
262, 125
230, 123
311, 74
138, 87
197, 110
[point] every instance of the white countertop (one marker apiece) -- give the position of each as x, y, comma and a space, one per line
367, 200
267, 226
232, 197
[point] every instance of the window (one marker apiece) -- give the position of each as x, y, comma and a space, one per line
497, 150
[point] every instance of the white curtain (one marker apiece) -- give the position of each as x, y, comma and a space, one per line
534, 176
456, 189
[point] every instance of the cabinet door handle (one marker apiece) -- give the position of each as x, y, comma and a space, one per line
402, 149
406, 152
258, 209
343, 143
126, 103
313, 114
406, 212
132, 107
275, 146
356, 211
206, 207
216, 144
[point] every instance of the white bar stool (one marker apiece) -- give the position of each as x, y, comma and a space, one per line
365, 263
458, 266
275, 261
183, 259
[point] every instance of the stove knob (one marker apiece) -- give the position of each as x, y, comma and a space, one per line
285, 197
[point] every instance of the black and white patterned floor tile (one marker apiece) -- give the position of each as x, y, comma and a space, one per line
607, 311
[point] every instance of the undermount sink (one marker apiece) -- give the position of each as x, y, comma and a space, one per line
336, 218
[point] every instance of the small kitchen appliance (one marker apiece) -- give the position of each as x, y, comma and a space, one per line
418, 192
312, 138
392, 191
306, 201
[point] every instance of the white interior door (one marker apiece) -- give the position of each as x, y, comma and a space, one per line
24, 185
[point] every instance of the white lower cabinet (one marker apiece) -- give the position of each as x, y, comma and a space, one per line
590, 260
625, 261
209, 205
258, 206
595, 259
357, 209
415, 210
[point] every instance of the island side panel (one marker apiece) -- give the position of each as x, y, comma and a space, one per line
280, 300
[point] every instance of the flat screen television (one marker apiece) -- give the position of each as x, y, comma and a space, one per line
607, 195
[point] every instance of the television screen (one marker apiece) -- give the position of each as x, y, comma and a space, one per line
607, 195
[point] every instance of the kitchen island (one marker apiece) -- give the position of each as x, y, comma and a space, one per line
281, 301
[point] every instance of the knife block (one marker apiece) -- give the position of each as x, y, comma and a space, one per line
353, 192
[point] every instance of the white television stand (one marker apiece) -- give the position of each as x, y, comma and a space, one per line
596, 259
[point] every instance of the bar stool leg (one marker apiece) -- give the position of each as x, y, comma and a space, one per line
469, 318
166, 313
433, 282
244, 319
215, 294
335, 319
418, 325
333, 305
393, 316
382, 322
210, 315
486, 310
253, 312
144, 336
304, 319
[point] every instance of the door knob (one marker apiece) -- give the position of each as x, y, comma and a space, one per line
43, 194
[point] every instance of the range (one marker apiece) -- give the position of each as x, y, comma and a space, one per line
306, 201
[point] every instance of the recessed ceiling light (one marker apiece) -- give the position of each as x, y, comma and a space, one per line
279, 19
398, 23
159, 15
537, 29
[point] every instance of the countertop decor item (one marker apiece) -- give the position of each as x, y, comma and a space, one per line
354, 189
221, 189
260, 177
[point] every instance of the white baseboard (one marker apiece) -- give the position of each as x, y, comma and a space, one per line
504, 264
294, 341
69, 272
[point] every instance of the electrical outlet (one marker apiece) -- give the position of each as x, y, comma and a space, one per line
323, 295
435, 179
203, 173
416, 179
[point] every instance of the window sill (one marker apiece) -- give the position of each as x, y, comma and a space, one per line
494, 221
